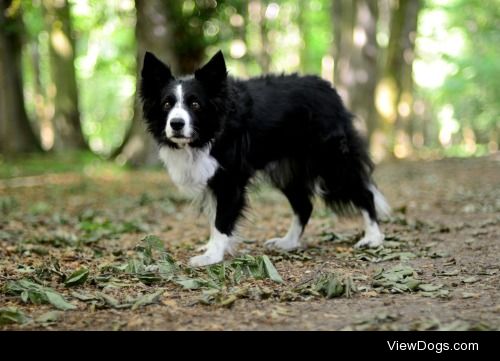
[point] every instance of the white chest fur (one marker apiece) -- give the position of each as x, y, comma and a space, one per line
190, 169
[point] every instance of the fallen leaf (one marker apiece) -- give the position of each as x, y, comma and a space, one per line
10, 315
147, 299
77, 278
49, 317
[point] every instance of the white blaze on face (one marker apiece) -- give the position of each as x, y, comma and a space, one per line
179, 111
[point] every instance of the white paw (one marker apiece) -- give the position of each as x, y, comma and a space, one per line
371, 240
205, 259
285, 244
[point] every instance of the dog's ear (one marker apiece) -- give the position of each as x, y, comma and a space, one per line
214, 72
154, 72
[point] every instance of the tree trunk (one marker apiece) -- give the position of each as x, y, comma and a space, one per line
355, 55
265, 56
177, 39
257, 41
154, 34
304, 34
66, 117
394, 97
186, 29
405, 120
16, 134
43, 108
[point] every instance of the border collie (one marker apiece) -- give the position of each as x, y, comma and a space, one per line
215, 133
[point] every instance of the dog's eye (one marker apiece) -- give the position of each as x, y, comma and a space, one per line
195, 105
167, 105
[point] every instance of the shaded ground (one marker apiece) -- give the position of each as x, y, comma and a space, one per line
441, 261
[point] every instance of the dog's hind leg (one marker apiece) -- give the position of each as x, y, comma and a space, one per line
373, 237
364, 197
373, 205
300, 200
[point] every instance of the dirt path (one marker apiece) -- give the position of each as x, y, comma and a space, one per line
440, 268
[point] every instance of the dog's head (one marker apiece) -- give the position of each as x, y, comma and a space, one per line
187, 110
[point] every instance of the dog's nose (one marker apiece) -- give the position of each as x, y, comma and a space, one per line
177, 123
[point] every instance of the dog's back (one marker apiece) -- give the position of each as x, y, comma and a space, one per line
297, 127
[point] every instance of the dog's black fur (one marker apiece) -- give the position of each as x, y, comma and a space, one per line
294, 128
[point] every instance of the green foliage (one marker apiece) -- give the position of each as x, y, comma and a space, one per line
401, 279
77, 278
297, 35
34, 293
105, 67
317, 33
10, 315
473, 87
153, 264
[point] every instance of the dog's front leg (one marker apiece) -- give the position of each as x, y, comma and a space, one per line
228, 196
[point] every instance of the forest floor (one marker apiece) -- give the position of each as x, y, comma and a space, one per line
95, 247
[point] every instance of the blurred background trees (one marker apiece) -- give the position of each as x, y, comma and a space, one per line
420, 75
16, 134
63, 90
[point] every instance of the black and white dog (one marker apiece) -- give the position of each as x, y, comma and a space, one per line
216, 133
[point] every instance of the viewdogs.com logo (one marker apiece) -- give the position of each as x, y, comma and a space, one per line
437, 347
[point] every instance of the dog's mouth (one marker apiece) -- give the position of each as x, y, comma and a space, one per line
180, 139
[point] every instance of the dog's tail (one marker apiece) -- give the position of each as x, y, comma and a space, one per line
381, 205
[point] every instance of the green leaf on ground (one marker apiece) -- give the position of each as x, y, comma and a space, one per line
271, 271
58, 301
148, 299
49, 317
9, 315
35, 293
77, 278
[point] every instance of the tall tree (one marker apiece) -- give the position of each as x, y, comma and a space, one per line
265, 51
153, 33
175, 34
394, 95
257, 29
66, 117
355, 55
16, 134
187, 25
